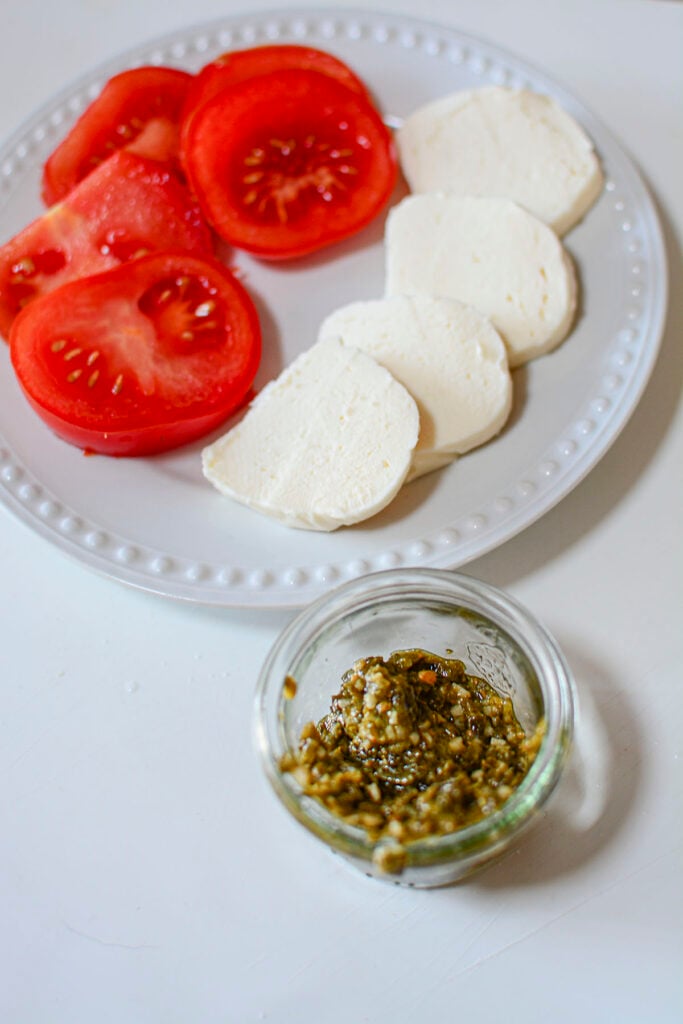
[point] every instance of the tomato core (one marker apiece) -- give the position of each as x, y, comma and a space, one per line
277, 179
186, 312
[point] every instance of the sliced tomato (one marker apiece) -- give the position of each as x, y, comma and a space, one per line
127, 207
137, 110
142, 358
286, 163
238, 65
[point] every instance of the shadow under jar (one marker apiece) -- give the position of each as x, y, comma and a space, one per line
447, 614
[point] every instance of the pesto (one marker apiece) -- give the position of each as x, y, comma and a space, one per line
413, 746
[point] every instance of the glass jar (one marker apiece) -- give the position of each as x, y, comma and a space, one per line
448, 614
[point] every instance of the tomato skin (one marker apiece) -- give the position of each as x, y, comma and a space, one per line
142, 358
238, 65
286, 163
138, 110
126, 206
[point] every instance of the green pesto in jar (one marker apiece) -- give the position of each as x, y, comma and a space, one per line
413, 746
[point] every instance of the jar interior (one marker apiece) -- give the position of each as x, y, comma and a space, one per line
401, 623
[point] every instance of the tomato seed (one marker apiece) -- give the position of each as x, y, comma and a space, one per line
92, 357
25, 267
93, 377
118, 384
205, 308
57, 346
73, 353
74, 375
256, 156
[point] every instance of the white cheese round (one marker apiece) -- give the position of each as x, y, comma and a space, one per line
326, 444
511, 143
448, 356
490, 254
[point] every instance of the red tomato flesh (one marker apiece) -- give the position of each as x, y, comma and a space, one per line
286, 163
127, 207
137, 110
231, 68
142, 358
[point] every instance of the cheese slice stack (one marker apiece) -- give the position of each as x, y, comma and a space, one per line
326, 444
502, 142
488, 253
450, 359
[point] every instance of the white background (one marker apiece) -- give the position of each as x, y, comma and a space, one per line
146, 872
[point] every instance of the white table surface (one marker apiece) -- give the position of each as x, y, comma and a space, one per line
136, 885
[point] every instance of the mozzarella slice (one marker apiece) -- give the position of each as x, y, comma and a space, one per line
447, 355
490, 254
326, 444
502, 142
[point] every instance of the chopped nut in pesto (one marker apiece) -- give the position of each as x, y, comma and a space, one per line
413, 746
289, 688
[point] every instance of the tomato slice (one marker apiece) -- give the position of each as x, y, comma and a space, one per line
286, 163
142, 358
238, 65
127, 206
137, 110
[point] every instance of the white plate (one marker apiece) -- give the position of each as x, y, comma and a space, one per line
156, 524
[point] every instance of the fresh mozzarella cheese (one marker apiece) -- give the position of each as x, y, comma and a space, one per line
510, 143
326, 444
490, 254
448, 356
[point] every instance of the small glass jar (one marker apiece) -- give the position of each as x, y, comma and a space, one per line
445, 613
